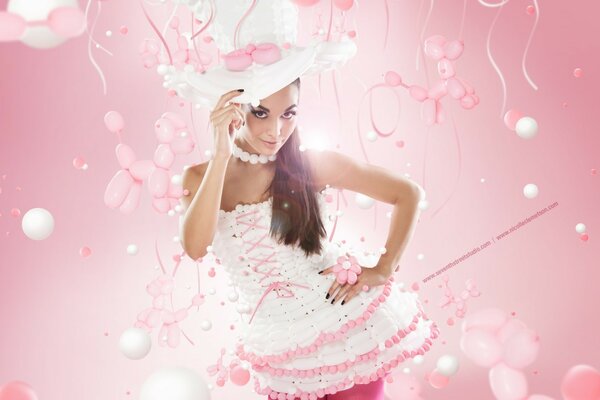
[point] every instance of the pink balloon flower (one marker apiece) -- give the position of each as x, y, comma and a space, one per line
347, 269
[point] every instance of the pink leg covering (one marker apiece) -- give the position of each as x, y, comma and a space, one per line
370, 391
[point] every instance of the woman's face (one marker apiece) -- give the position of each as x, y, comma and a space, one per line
272, 121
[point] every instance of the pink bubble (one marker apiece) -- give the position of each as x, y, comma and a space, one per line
85, 252
15, 212
414, 286
78, 162
211, 272
565, 104
530, 10
400, 143
511, 117
17, 390
352, 34
450, 321
578, 73
593, 171
365, 288
436, 379
581, 382
584, 237
123, 30
392, 78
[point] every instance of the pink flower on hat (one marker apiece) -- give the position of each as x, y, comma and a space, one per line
347, 269
241, 59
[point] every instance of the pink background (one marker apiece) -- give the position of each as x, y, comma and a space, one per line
62, 314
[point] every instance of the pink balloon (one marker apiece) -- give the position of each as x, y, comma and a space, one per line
343, 5
161, 204
165, 131
12, 26
481, 347
141, 169
490, 319
428, 111
239, 375
182, 145
158, 182
510, 328
125, 155
433, 46
445, 68
511, 117
163, 156
437, 380
117, 189
453, 49
438, 90
581, 382
305, 3
114, 121
455, 88
133, 199
521, 349
440, 118
392, 78
67, 21
467, 102
176, 119
417, 93
17, 390
507, 383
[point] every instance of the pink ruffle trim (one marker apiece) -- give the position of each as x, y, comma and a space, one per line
324, 337
381, 372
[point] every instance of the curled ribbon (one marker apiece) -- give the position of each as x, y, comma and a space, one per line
241, 59
276, 286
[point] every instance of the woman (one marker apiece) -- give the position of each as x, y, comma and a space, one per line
296, 340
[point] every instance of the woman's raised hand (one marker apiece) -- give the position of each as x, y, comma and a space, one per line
224, 120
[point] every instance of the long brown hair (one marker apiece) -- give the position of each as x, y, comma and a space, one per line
295, 214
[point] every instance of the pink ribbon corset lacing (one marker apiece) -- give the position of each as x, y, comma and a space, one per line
276, 286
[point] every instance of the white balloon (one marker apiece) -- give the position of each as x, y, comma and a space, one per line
132, 249
233, 296
371, 136
423, 205
41, 37
447, 365
418, 359
530, 191
135, 343
364, 201
206, 325
37, 224
526, 127
580, 228
174, 383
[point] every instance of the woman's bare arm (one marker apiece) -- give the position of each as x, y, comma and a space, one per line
201, 206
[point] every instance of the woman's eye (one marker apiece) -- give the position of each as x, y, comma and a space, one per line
290, 112
262, 112
257, 112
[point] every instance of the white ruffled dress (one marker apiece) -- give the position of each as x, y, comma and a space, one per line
298, 344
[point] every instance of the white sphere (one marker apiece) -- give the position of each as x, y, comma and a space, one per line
37, 224
132, 249
135, 343
177, 179
206, 325
447, 365
162, 69
530, 191
174, 383
526, 127
580, 228
371, 136
418, 359
364, 201
211, 290
41, 36
420, 256
423, 205
233, 296
243, 308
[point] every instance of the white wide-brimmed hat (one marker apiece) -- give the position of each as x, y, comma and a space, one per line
258, 52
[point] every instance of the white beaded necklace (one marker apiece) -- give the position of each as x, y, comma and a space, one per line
252, 158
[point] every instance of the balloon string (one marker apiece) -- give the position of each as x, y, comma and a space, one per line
425, 155
158, 257
489, 54
168, 21
210, 19
90, 33
537, 17
456, 138
162, 39
462, 21
381, 133
387, 23
330, 21
237, 27
337, 101
420, 48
